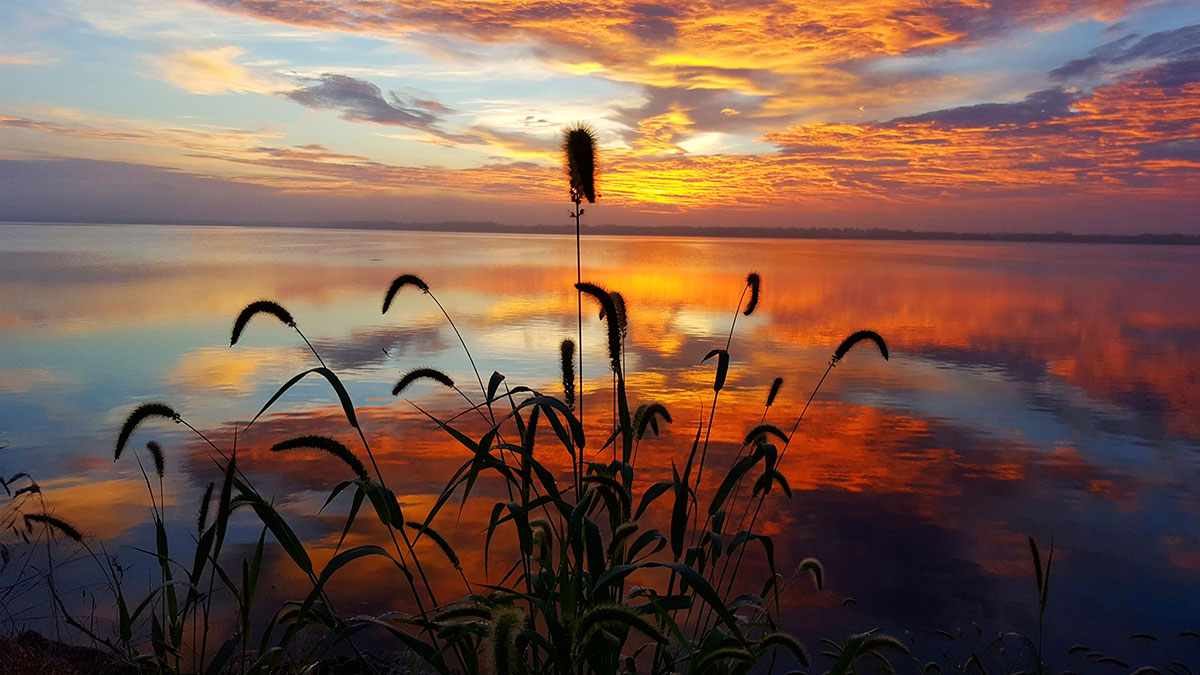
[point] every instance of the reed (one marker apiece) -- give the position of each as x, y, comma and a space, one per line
255, 308
140, 414
326, 445
611, 321
272, 308
505, 659
53, 523
567, 366
205, 505
156, 453
775, 386
399, 283
413, 280
579, 160
604, 571
579, 148
567, 603
857, 337
753, 282
418, 374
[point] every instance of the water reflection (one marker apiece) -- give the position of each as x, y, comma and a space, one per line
1034, 389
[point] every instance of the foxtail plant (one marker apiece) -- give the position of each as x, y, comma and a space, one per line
570, 598
579, 155
569, 602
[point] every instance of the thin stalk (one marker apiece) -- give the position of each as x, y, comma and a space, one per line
311, 348
579, 387
379, 474
762, 498
470, 359
712, 412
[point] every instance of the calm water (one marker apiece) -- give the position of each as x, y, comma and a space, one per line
1051, 390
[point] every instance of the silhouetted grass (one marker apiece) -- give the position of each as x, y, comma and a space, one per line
602, 579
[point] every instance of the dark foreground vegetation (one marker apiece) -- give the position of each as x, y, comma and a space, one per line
595, 569
607, 574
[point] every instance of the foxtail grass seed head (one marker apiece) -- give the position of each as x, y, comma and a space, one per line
422, 374
58, 524
622, 321
858, 337
786, 641
400, 282
568, 371
774, 391
438, 539
647, 416
579, 148
610, 319
139, 414
157, 453
324, 444
753, 282
815, 568
205, 504
505, 627
613, 613
259, 307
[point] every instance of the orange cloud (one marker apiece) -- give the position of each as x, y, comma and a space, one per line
689, 44
210, 71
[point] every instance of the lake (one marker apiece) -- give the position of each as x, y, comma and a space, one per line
1033, 389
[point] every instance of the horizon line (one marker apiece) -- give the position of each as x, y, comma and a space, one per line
699, 231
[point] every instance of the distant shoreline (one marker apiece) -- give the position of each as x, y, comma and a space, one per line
864, 234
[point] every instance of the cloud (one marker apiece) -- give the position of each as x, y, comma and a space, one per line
361, 101
746, 47
1039, 106
210, 71
1129, 140
1171, 44
24, 60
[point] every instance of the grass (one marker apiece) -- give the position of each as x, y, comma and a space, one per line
606, 572
601, 578
581, 595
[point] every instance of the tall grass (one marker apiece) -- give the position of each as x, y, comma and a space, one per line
603, 571
580, 595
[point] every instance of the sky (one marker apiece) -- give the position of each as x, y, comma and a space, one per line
1009, 115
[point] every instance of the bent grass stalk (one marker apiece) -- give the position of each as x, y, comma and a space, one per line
283, 315
579, 154
841, 351
572, 582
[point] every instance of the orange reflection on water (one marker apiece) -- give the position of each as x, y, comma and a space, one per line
1021, 383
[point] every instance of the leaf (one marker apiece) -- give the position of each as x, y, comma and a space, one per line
731, 479
722, 366
652, 493
343, 396
549, 403
706, 593
1037, 566
678, 513
494, 384
274, 522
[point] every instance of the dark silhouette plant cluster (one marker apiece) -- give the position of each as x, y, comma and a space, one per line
605, 575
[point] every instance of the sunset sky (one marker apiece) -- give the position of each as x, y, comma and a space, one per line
971, 115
